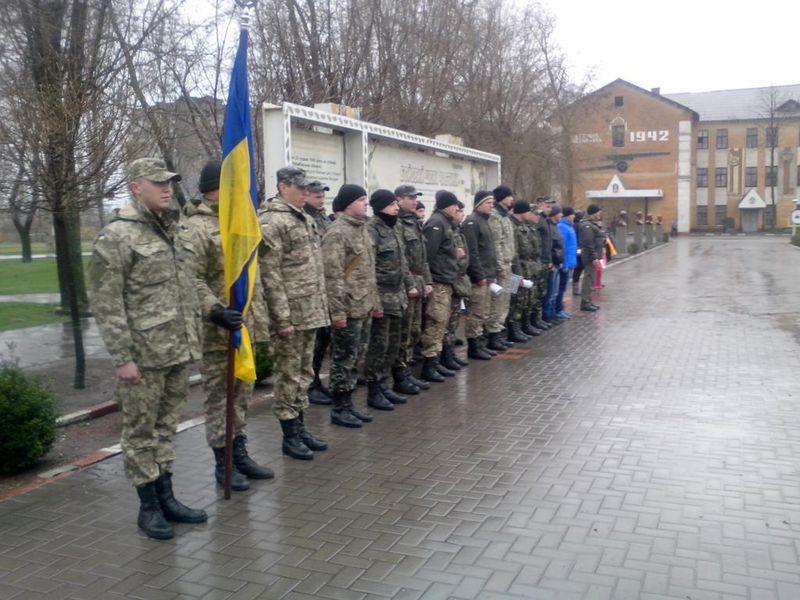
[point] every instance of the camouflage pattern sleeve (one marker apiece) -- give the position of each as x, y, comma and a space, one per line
333, 254
258, 310
409, 280
270, 257
207, 258
109, 264
496, 229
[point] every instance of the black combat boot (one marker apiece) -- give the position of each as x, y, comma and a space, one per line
458, 359
341, 414
495, 344
246, 465
528, 329
503, 339
238, 481
514, 333
423, 385
589, 307
483, 342
309, 440
375, 397
429, 371
475, 351
390, 395
538, 322
171, 508
292, 444
447, 360
151, 519
319, 394
444, 371
402, 384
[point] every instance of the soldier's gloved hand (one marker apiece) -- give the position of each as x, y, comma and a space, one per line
227, 318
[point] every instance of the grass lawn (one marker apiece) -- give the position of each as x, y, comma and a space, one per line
37, 277
7, 248
16, 315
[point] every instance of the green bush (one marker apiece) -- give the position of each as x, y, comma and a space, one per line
796, 239
264, 361
27, 419
633, 248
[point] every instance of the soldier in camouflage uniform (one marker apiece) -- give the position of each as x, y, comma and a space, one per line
349, 257
442, 256
315, 208
528, 266
461, 294
395, 287
219, 320
505, 254
292, 277
141, 285
411, 230
545, 259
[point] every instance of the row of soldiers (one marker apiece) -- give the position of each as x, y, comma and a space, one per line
370, 288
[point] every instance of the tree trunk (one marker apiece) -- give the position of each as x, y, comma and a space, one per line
67, 234
24, 230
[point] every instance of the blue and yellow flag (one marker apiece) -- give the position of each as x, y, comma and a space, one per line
238, 223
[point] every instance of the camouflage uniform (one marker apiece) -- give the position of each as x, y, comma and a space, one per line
505, 254
393, 278
323, 339
417, 260
210, 279
529, 267
461, 287
440, 248
349, 257
141, 284
292, 277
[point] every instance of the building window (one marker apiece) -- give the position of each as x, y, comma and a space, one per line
771, 176
702, 139
752, 137
720, 214
702, 177
702, 216
721, 177
618, 136
722, 139
750, 177
772, 137
618, 101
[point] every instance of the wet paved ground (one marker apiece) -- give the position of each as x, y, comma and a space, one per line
648, 451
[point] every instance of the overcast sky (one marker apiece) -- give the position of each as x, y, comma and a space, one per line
681, 45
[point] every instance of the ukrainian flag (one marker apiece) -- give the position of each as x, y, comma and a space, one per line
238, 223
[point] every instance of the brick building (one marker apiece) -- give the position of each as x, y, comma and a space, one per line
696, 159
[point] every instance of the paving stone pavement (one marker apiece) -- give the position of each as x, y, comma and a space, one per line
648, 451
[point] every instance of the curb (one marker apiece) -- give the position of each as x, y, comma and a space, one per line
614, 263
102, 409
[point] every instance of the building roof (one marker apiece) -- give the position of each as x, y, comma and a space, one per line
741, 105
663, 98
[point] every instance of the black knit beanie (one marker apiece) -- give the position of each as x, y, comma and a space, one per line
521, 207
567, 211
380, 199
346, 195
555, 210
501, 192
445, 199
209, 177
481, 197
592, 209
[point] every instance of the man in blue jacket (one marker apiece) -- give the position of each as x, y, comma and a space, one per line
565, 226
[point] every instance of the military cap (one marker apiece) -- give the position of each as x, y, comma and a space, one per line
407, 190
292, 176
152, 169
317, 187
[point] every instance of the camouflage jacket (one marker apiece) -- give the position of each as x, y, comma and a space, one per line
291, 268
141, 285
349, 256
391, 269
210, 281
503, 236
416, 256
321, 221
529, 247
462, 286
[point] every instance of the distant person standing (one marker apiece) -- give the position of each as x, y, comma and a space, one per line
142, 291
565, 226
505, 253
592, 240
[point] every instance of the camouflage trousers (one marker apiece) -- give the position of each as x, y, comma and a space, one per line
499, 311
346, 347
455, 319
437, 316
479, 310
411, 332
321, 345
384, 346
522, 303
150, 414
293, 372
215, 384
540, 290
